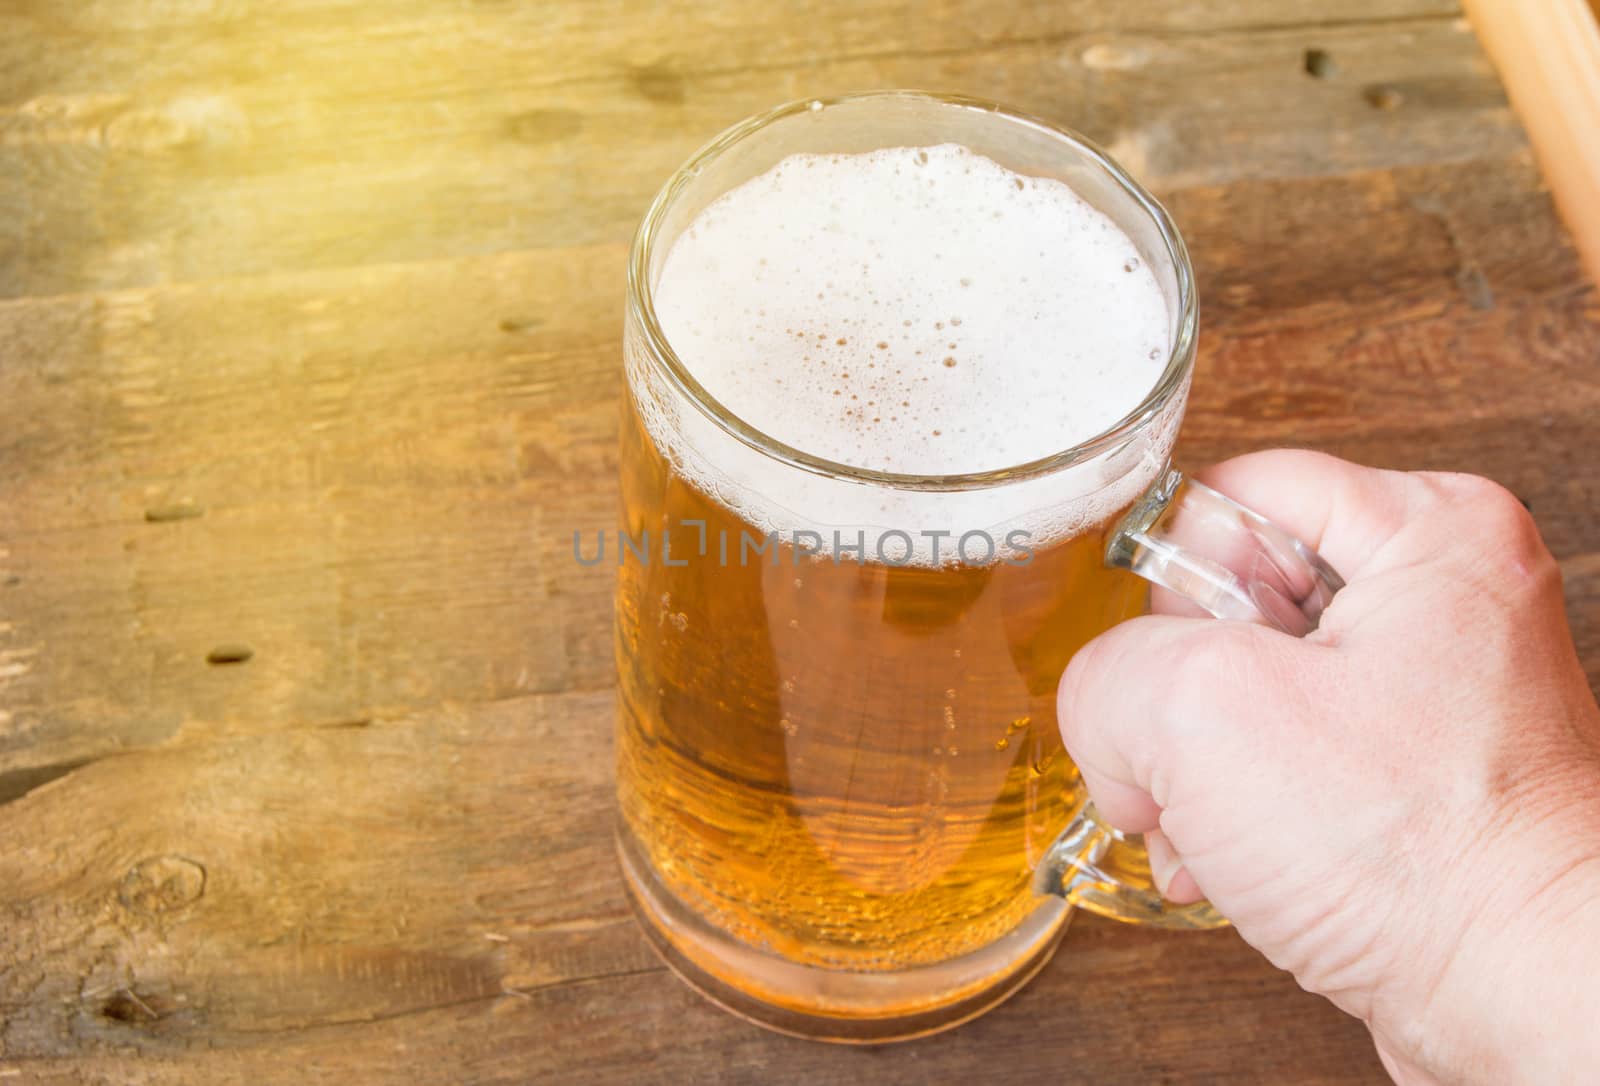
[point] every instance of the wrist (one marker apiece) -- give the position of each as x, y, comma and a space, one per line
1518, 996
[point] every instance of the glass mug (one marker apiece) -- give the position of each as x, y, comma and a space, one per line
845, 809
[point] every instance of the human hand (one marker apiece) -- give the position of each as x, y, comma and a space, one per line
1403, 808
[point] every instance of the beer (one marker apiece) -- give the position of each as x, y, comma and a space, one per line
837, 743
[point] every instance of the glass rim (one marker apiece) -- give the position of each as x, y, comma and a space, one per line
1180, 357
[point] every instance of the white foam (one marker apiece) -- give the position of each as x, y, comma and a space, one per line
917, 310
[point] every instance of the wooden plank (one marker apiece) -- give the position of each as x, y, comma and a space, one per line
608, 21
387, 475
649, 1029
371, 477
434, 898
52, 49
128, 161
236, 884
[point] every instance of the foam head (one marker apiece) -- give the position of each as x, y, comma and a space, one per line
915, 310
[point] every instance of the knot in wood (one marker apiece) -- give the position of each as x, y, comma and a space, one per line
162, 884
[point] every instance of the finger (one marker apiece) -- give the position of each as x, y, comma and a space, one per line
1102, 689
1344, 511
1168, 872
1124, 691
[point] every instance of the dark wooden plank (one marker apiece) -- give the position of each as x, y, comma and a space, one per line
649, 1029
387, 467
229, 917
130, 159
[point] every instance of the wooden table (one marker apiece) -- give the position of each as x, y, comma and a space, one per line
308, 371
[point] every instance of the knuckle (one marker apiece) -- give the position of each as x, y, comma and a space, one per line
1497, 532
1471, 492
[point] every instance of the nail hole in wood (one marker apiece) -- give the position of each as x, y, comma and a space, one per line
229, 654
166, 514
1381, 97
358, 722
660, 84
126, 1006
1319, 64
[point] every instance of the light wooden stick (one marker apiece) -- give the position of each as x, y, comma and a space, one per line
1548, 54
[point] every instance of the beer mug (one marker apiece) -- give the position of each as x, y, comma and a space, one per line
845, 809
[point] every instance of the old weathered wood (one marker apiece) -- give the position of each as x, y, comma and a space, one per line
308, 371
378, 498
502, 939
360, 138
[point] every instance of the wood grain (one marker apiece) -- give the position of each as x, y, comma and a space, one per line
309, 339
494, 942
252, 151
379, 498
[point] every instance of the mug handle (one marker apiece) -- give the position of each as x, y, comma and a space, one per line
1183, 536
